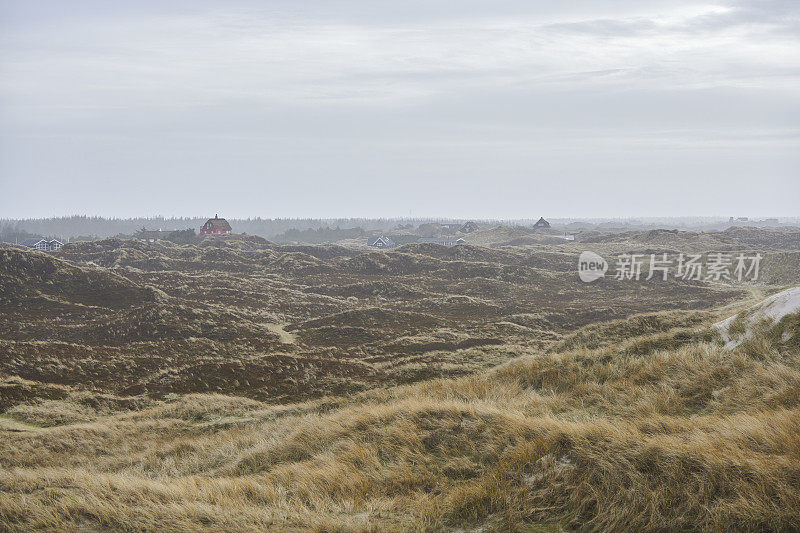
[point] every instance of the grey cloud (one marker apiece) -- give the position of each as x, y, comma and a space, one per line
506, 108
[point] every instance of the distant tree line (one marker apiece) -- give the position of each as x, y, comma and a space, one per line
81, 227
319, 235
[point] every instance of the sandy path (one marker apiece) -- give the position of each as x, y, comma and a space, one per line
284, 336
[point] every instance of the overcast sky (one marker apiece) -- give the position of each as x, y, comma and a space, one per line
471, 109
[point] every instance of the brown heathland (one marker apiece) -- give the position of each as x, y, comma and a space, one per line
242, 386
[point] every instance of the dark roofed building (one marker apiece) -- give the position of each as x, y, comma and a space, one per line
216, 226
541, 223
468, 227
381, 242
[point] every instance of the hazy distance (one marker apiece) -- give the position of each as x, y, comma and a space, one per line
400, 109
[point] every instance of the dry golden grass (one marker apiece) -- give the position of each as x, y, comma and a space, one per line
662, 431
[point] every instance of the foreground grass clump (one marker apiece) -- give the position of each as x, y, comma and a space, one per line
665, 431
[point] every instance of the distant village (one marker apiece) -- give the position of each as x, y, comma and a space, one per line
465, 228
213, 226
374, 233
443, 234
452, 231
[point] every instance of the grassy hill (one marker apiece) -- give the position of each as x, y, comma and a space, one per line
651, 432
242, 385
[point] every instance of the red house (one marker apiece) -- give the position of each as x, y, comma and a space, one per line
215, 226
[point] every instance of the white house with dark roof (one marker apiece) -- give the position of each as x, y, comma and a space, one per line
43, 244
381, 242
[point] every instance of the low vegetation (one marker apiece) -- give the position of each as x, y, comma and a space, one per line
242, 385
599, 438
290, 323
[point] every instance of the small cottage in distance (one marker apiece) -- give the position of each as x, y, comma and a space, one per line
381, 242
468, 227
541, 223
216, 226
43, 244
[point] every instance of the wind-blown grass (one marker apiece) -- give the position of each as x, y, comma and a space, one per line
649, 433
